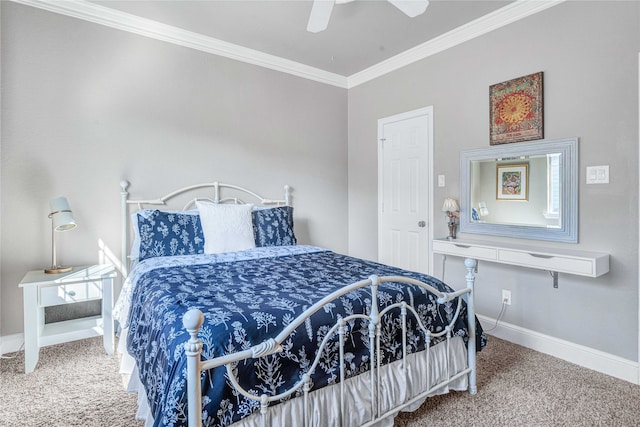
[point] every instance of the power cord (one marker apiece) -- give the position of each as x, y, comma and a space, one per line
15, 354
502, 310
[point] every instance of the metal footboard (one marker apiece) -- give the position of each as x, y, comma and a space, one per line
193, 321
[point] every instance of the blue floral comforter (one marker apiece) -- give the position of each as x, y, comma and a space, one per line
248, 297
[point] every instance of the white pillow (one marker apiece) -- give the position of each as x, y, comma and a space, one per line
226, 228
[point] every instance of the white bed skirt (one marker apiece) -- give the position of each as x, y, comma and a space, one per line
325, 402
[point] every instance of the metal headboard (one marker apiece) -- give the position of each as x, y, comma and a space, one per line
162, 201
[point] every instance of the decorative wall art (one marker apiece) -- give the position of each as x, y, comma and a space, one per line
512, 182
516, 110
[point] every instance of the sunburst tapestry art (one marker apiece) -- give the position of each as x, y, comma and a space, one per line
516, 110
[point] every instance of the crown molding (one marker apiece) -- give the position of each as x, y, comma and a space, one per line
91, 12
95, 13
499, 18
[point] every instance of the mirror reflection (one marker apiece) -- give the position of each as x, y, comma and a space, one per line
524, 190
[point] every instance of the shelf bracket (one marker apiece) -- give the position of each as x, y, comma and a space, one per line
554, 274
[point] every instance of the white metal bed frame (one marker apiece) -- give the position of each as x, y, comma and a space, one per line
194, 319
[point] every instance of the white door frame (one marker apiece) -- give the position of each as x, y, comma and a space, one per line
425, 111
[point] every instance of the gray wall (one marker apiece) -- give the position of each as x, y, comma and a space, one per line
588, 52
84, 106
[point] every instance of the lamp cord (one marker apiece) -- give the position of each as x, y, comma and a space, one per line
15, 354
502, 310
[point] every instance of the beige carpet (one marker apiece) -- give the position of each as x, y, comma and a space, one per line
521, 387
74, 384
77, 384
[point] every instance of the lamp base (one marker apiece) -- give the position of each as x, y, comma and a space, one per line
452, 231
57, 269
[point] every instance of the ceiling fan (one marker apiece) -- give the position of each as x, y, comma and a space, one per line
321, 11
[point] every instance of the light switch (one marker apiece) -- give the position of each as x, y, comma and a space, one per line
598, 174
440, 180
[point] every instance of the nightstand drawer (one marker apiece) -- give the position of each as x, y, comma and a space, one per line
66, 294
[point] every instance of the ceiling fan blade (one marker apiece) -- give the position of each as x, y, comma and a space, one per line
411, 8
320, 14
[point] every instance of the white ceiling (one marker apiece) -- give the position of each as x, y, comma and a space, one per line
365, 38
360, 34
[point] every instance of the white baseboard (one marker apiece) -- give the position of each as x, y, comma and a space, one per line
11, 343
597, 360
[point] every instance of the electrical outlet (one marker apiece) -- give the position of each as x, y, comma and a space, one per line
506, 297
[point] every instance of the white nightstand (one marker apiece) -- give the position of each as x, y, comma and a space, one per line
80, 284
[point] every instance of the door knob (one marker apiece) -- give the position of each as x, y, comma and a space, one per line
421, 223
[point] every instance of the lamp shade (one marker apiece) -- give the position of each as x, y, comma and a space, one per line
61, 214
450, 205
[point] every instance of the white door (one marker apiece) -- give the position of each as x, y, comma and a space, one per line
405, 152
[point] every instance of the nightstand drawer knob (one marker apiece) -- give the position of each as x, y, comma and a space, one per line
71, 293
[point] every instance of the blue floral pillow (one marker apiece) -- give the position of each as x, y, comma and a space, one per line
169, 233
273, 226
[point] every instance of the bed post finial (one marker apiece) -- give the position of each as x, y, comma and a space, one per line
192, 321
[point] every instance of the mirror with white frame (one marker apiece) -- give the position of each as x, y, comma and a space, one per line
523, 190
